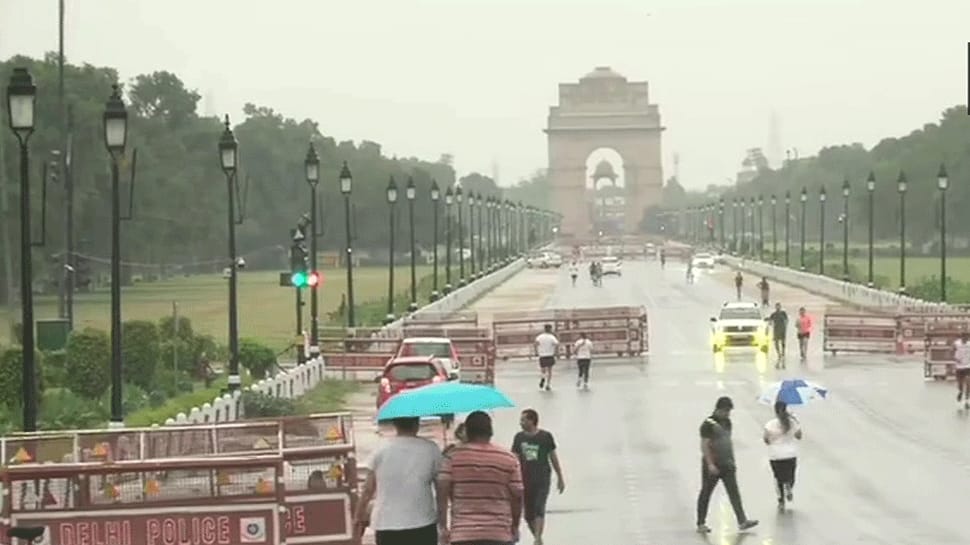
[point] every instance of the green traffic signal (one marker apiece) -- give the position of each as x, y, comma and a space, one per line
299, 279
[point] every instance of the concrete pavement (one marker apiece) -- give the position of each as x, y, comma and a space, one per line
877, 463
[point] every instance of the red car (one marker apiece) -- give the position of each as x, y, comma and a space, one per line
408, 373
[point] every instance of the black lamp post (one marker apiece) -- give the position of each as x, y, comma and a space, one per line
228, 157
461, 237
901, 186
449, 199
761, 227
21, 97
435, 195
523, 233
734, 224
509, 231
804, 199
480, 205
391, 202
720, 219
774, 230
411, 191
871, 190
943, 183
746, 212
821, 231
845, 229
311, 167
472, 231
346, 185
788, 228
115, 137
489, 252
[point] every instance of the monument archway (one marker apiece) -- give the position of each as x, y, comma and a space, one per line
603, 110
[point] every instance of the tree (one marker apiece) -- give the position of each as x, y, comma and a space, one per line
88, 362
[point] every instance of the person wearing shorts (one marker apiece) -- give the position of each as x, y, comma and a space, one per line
546, 346
961, 357
536, 450
804, 327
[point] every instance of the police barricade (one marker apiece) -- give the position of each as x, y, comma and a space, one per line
619, 331
316, 453
938, 356
913, 328
475, 347
228, 501
677, 252
357, 352
515, 332
844, 331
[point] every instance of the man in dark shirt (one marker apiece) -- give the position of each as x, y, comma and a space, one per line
536, 450
779, 329
718, 464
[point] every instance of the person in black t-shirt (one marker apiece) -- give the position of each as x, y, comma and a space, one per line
779, 330
717, 464
536, 450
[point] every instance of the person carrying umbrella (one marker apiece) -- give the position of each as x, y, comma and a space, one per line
782, 434
717, 464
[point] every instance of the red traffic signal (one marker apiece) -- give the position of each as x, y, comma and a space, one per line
313, 279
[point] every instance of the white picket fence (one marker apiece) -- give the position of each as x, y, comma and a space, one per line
302, 378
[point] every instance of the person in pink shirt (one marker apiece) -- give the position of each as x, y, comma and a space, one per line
803, 325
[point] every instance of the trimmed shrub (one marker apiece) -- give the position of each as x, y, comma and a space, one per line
140, 348
256, 357
11, 376
260, 405
55, 369
63, 409
88, 362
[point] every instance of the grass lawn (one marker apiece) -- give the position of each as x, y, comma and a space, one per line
917, 268
327, 397
266, 310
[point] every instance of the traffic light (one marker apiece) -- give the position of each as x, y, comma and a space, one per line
299, 275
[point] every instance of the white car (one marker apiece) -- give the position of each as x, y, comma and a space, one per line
739, 325
438, 348
552, 260
703, 261
611, 265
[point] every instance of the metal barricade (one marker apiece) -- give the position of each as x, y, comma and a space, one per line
938, 354
515, 332
357, 350
859, 332
618, 331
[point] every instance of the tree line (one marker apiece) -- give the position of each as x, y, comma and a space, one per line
179, 192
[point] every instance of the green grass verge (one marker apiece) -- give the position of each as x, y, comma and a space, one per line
327, 397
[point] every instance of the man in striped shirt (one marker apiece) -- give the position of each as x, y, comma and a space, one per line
483, 484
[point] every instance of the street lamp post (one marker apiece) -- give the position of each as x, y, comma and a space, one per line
115, 138
346, 185
490, 253
435, 195
774, 230
821, 231
720, 220
804, 199
391, 202
312, 171
788, 228
943, 183
480, 205
21, 99
761, 227
228, 157
742, 250
901, 185
461, 237
871, 189
411, 192
472, 231
845, 230
449, 199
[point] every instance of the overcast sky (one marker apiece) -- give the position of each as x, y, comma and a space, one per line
475, 78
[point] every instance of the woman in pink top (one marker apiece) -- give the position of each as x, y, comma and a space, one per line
803, 326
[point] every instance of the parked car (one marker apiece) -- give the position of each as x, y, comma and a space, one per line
439, 348
407, 373
703, 261
611, 265
553, 260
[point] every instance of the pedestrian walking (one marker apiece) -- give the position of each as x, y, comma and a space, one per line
765, 289
779, 331
782, 434
961, 357
804, 329
546, 347
401, 482
574, 272
482, 485
536, 450
584, 355
738, 283
717, 464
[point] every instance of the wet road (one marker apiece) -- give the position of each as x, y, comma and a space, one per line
884, 460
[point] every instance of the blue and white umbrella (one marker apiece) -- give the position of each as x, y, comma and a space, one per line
793, 392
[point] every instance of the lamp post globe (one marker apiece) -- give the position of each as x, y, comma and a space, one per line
21, 97
346, 179
115, 122
346, 184
311, 165
228, 148
435, 195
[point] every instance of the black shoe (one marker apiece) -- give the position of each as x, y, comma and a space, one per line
542, 383
748, 524
959, 397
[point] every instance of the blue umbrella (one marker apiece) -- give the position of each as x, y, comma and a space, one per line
793, 392
443, 398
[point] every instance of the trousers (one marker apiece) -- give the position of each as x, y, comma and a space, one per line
426, 535
709, 482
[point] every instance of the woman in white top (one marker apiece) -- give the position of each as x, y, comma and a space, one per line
782, 434
584, 354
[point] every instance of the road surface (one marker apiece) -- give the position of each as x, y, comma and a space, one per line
884, 460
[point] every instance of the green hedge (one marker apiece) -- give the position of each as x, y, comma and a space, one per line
88, 362
140, 345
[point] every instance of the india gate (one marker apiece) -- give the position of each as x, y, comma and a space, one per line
603, 110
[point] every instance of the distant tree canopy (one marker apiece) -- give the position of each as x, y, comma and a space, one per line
918, 155
180, 193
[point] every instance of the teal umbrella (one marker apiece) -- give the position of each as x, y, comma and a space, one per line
443, 398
